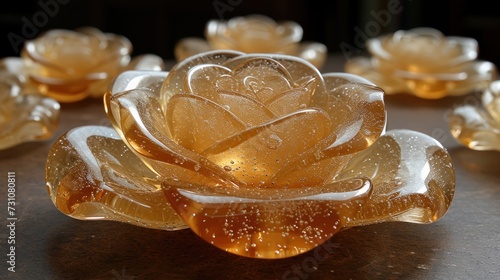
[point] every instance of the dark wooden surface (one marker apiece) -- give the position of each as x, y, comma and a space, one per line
464, 244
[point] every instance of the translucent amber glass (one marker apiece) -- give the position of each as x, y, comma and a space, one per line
478, 126
425, 63
253, 34
24, 117
260, 155
72, 65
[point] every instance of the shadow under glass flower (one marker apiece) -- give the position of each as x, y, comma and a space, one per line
253, 34
478, 126
259, 154
425, 63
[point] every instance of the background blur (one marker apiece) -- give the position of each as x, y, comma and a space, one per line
155, 26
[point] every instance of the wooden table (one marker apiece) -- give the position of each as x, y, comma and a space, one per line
464, 244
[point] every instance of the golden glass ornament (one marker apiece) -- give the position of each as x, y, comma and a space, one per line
477, 126
261, 155
425, 63
23, 117
72, 65
253, 34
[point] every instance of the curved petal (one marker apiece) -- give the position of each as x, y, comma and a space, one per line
190, 46
491, 100
290, 101
262, 77
250, 111
133, 79
271, 224
297, 68
313, 52
24, 118
365, 67
413, 179
474, 128
174, 83
197, 123
357, 111
207, 79
258, 153
290, 32
141, 124
357, 108
91, 174
214, 31
146, 62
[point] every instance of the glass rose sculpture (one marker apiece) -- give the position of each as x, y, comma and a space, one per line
478, 126
253, 34
23, 117
72, 65
259, 154
425, 63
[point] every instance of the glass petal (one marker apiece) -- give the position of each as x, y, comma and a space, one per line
142, 125
197, 123
174, 83
491, 100
313, 52
204, 80
249, 111
190, 46
290, 101
271, 224
357, 110
255, 155
263, 78
146, 62
129, 80
365, 67
91, 175
23, 117
474, 128
412, 175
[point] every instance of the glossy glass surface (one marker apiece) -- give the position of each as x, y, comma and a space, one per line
72, 65
477, 126
260, 155
253, 34
425, 63
24, 117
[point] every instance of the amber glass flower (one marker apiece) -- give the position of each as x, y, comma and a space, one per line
425, 63
72, 65
23, 117
260, 155
478, 126
253, 34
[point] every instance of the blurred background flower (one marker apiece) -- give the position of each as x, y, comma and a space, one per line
254, 34
425, 63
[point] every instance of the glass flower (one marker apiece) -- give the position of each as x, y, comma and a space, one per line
23, 117
425, 63
259, 154
477, 126
253, 34
72, 65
